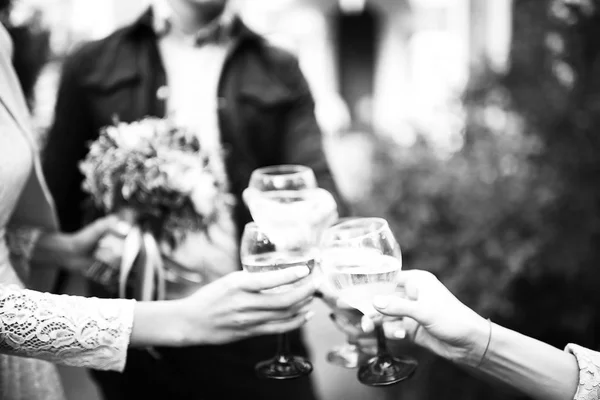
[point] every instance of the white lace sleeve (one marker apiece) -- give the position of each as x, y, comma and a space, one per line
589, 372
68, 330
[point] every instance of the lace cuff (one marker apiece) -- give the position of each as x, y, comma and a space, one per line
68, 330
21, 242
589, 372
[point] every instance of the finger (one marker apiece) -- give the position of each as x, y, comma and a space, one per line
345, 326
394, 329
264, 317
396, 306
93, 232
283, 326
295, 308
342, 304
256, 282
367, 324
411, 327
77, 264
284, 300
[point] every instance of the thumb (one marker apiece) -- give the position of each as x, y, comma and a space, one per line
396, 306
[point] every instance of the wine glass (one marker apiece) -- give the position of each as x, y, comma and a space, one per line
352, 352
283, 177
361, 259
358, 348
292, 212
260, 254
292, 218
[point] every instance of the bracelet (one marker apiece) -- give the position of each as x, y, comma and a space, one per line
487, 346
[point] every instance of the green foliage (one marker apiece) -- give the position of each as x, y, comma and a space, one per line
511, 221
473, 217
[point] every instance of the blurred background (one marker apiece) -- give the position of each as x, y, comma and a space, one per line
471, 125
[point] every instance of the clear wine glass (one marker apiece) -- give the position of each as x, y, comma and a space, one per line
352, 352
292, 212
283, 177
358, 348
361, 259
260, 254
292, 217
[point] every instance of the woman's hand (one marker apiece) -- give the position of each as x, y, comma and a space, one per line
229, 309
73, 251
437, 320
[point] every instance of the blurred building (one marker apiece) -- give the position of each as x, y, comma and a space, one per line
374, 65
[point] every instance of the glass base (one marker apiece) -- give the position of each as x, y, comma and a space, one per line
345, 356
350, 355
282, 367
386, 370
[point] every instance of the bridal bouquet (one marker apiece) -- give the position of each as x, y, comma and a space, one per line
157, 174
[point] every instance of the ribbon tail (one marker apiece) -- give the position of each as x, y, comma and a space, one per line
153, 270
131, 250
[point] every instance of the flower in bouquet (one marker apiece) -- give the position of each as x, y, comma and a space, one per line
159, 171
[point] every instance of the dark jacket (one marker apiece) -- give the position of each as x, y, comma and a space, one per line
266, 116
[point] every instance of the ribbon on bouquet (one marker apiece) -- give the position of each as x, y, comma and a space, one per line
141, 251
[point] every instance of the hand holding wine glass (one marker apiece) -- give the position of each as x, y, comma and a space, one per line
260, 255
437, 320
232, 308
361, 260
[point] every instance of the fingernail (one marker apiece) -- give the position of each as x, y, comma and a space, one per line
381, 302
366, 324
121, 227
308, 316
400, 334
303, 271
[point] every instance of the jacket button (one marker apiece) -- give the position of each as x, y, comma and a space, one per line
162, 93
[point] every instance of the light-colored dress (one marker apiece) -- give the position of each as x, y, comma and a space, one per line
38, 326
589, 372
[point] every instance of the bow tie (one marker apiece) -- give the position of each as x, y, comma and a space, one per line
213, 33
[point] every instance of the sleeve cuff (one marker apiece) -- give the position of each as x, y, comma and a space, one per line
589, 372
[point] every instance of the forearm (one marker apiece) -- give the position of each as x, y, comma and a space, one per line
529, 365
51, 248
70, 330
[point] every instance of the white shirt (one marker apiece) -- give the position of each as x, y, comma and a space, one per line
192, 78
193, 73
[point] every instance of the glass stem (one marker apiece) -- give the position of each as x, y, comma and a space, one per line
283, 347
382, 349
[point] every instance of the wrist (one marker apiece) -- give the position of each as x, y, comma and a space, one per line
160, 323
479, 339
185, 332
